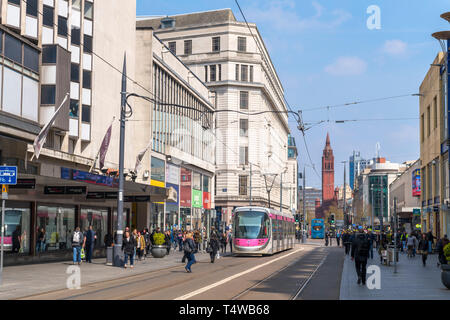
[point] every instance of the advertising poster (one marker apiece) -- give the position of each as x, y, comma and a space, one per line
416, 183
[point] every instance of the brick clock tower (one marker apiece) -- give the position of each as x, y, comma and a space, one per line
327, 172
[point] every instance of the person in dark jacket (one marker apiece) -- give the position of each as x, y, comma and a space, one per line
90, 237
424, 248
360, 253
430, 239
128, 245
16, 240
214, 239
440, 249
189, 250
326, 238
346, 242
168, 241
108, 240
223, 242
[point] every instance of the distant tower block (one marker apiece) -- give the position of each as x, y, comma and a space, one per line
327, 172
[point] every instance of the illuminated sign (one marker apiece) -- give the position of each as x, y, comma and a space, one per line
416, 183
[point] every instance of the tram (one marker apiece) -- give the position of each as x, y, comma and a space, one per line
262, 231
317, 229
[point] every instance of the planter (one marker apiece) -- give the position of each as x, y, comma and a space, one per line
159, 251
445, 275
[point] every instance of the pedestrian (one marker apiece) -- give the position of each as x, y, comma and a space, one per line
168, 242
338, 238
189, 251
147, 241
41, 241
230, 240
90, 237
346, 242
140, 245
108, 240
424, 244
360, 253
180, 240
16, 239
184, 239
330, 237
411, 244
404, 239
430, 239
223, 242
197, 239
128, 246
214, 239
440, 245
326, 239
382, 246
77, 243
371, 238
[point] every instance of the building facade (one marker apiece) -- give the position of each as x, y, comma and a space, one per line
434, 150
356, 166
327, 171
406, 189
236, 67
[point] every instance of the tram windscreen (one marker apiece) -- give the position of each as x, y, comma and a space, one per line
252, 225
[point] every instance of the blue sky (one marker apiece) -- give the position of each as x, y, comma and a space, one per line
325, 55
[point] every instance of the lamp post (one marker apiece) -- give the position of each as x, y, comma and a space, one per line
345, 189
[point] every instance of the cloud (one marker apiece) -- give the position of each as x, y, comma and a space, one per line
282, 16
347, 66
395, 47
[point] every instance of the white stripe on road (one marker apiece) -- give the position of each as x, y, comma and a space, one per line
201, 290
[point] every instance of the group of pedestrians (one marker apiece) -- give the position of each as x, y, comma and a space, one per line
360, 242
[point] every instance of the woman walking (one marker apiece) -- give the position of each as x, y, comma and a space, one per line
213, 244
140, 245
411, 244
168, 242
189, 251
128, 247
423, 248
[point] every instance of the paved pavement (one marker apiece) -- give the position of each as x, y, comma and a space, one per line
26, 280
411, 282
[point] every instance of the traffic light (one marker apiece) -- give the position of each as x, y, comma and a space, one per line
332, 218
297, 217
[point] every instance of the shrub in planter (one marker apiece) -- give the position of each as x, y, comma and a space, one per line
447, 252
159, 249
445, 275
159, 239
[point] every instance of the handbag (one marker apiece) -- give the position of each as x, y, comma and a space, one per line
83, 255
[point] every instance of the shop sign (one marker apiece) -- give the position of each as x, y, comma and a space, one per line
62, 190
177, 189
206, 200
24, 184
95, 195
83, 176
416, 187
172, 174
196, 198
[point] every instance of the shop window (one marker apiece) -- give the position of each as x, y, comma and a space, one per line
98, 219
55, 227
196, 181
17, 227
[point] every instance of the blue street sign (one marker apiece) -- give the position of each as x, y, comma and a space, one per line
8, 175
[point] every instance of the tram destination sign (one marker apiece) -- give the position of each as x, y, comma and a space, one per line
8, 175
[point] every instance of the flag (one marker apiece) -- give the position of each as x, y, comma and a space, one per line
104, 146
139, 159
42, 136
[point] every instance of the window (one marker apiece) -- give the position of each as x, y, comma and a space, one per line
206, 73
87, 79
237, 72
242, 44
87, 44
86, 114
187, 46
422, 127
73, 109
1, 41
75, 72
48, 16
251, 73
435, 112
428, 121
13, 49
436, 178
75, 36
212, 73
88, 10
48, 93
15, 2
216, 44
49, 54
32, 9
243, 127
62, 26
76, 4
244, 73
243, 155
158, 167
173, 47
243, 99
220, 72
31, 58
243, 185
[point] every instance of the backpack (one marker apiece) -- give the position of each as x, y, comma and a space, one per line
76, 237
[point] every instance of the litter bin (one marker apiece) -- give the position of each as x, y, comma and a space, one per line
390, 255
109, 256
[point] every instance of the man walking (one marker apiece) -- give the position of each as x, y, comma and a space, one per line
77, 242
371, 238
89, 243
338, 238
360, 253
430, 239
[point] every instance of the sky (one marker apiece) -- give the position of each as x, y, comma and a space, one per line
325, 54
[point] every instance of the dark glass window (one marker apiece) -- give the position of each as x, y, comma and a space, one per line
244, 99
62, 26
32, 9
75, 72
15, 2
49, 54
212, 73
86, 114
75, 36
87, 43
87, 79
48, 16
13, 48
1, 41
74, 107
216, 44
173, 47
48, 93
31, 58
88, 10
242, 44
187, 46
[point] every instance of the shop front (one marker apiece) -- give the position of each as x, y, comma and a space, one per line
172, 211
185, 199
